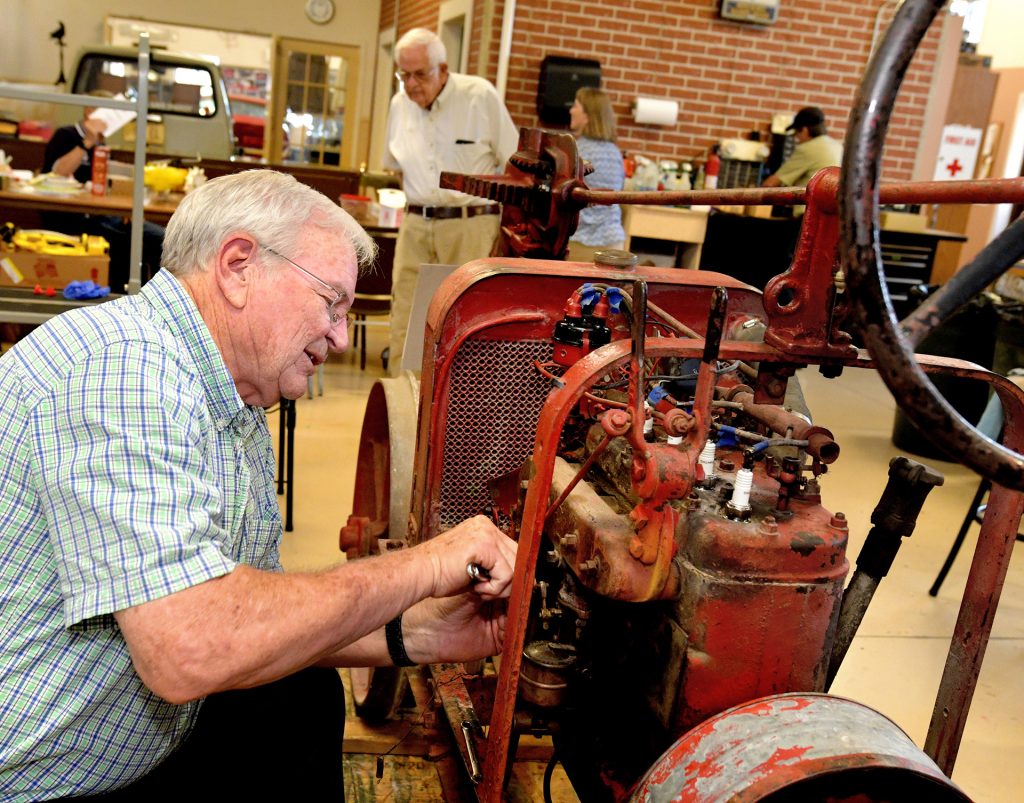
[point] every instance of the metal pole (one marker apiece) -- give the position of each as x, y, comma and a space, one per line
139, 189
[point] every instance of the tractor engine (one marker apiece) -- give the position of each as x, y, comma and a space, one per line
679, 576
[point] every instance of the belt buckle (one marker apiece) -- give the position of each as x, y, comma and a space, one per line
428, 212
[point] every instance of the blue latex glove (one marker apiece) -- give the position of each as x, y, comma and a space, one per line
76, 290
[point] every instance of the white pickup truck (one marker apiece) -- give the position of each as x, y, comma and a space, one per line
189, 111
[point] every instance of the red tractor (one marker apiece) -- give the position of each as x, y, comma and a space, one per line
681, 602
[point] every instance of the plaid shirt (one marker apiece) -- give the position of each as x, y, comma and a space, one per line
130, 469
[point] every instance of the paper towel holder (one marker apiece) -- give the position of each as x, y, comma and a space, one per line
655, 111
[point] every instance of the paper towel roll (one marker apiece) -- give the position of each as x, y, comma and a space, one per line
655, 112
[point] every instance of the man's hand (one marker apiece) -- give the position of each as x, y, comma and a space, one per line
461, 628
93, 131
478, 541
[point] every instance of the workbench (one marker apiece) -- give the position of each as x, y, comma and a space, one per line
684, 227
156, 209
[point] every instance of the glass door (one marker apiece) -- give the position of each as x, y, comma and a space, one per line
314, 91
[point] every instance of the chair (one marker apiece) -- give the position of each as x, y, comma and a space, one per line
286, 458
373, 293
990, 425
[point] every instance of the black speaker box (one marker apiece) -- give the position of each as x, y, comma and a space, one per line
560, 77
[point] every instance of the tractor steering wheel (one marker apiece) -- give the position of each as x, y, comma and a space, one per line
890, 343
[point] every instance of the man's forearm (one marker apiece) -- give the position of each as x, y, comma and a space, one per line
250, 627
67, 164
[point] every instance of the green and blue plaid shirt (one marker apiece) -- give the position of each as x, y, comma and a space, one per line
130, 469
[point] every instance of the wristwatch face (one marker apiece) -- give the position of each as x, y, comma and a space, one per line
320, 11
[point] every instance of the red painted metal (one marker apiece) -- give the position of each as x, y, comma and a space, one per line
485, 306
797, 747
749, 593
801, 645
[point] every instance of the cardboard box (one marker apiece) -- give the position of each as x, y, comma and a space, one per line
901, 221
26, 269
120, 185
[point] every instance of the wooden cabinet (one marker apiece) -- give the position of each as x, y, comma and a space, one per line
685, 227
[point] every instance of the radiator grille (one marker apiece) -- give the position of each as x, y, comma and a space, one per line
495, 398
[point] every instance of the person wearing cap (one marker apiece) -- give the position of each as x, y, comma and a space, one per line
440, 121
815, 150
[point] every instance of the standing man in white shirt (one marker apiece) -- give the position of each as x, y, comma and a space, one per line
439, 121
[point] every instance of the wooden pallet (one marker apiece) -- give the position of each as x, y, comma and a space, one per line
417, 762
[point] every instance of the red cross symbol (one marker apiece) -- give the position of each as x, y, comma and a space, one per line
954, 167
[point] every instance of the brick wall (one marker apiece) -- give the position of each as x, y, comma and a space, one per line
728, 78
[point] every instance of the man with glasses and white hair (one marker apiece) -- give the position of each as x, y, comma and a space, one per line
152, 648
438, 121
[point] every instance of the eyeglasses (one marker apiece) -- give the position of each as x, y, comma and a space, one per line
419, 75
332, 304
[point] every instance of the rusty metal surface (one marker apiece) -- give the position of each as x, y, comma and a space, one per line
474, 303
966, 283
594, 540
820, 441
986, 191
760, 601
785, 741
862, 258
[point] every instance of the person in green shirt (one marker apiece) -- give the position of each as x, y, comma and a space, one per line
815, 150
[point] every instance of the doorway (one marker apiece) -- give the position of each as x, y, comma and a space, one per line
314, 104
455, 26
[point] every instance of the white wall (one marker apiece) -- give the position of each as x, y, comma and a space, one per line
1001, 34
28, 54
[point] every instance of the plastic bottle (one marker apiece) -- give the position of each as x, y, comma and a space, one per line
100, 160
698, 181
684, 182
628, 164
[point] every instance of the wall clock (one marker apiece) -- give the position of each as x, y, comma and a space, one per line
320, 11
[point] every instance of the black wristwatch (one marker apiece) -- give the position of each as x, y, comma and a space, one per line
396, 644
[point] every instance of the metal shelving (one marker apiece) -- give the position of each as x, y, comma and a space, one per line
15, 307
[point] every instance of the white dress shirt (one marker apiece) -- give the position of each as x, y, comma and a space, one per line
467, 129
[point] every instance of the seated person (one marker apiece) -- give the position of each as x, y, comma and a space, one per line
69, 153
814, 151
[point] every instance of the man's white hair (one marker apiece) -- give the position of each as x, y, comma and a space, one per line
272, 207
436, 51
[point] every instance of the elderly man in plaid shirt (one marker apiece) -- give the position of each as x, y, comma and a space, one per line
150, 645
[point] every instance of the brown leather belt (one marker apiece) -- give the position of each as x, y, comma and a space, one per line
448, 212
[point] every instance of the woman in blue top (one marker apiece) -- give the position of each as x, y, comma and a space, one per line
593, 123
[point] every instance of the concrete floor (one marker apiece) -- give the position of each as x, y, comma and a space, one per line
896, 660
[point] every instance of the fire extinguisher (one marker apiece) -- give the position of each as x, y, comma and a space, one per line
711, 168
